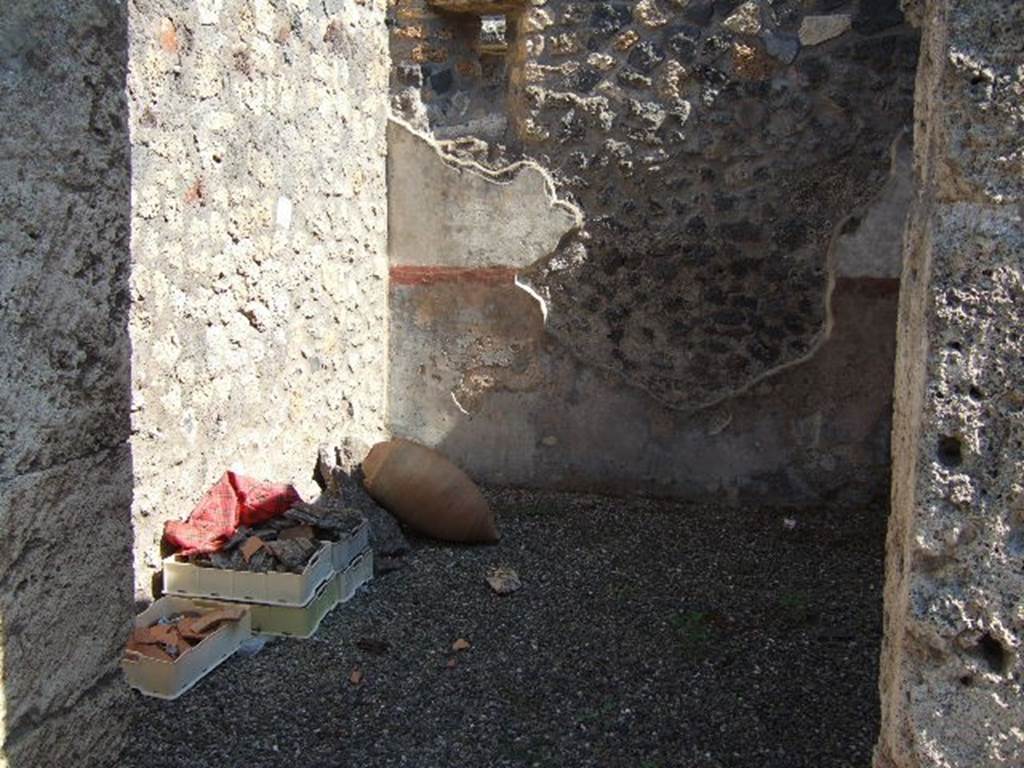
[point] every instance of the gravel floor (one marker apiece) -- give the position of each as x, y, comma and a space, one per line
646, 634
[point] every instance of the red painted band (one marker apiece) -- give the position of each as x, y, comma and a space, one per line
406, 275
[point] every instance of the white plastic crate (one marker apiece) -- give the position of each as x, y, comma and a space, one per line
170, 679
359, 572
348, 548
303, 622
274, 588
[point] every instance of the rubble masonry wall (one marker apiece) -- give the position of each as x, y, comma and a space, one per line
713, 148
259, 271
952, 668
742, 172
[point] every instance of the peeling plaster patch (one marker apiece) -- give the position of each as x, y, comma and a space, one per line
454, 213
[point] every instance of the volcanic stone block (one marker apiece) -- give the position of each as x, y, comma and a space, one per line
954, 624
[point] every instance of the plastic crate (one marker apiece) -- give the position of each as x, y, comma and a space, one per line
274, 588
359, 572
170, 679
303, 622
348, 548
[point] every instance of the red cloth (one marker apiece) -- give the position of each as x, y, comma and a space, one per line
233, 501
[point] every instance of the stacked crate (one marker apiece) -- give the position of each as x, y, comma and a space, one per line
285, 604
281, 604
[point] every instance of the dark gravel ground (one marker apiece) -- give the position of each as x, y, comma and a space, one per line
646, 634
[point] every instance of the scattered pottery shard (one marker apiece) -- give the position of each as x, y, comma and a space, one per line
160, 641
427, 492
165, 634
262, 562
187, 627
238, 538
158, 634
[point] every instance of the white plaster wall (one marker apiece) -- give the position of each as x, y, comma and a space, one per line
457, 214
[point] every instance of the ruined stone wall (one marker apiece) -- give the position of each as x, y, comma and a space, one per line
952, 665
714, 148
450, 74
742, 175
258, 257
65, 467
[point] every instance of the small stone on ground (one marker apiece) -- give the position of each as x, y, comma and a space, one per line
503, 580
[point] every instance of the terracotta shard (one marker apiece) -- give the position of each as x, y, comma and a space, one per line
251, 547
206, 622
152, 651
304, 513
144, 636
171, 635
189, 631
